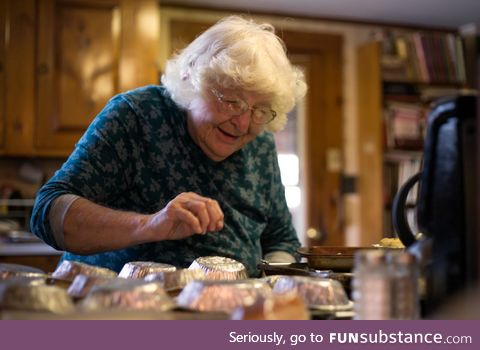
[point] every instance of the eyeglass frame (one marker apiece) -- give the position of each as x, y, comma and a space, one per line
221, 98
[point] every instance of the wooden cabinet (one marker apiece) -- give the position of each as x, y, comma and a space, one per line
3, 17
370, 144
19, 77
67, 58
386, 160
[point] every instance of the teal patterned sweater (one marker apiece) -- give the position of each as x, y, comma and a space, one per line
137, 156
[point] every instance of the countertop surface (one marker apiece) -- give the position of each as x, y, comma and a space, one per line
35, 248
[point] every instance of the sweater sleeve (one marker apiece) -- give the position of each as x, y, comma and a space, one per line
98, 169
279, 235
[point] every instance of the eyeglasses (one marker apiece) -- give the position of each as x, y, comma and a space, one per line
259, 115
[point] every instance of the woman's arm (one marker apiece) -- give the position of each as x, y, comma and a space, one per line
101, 171
91, 228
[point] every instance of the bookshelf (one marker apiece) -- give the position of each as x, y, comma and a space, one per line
398, 79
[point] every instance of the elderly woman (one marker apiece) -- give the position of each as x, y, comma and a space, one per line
187, 169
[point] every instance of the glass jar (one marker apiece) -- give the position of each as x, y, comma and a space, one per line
371, 292
405, 285
385, 285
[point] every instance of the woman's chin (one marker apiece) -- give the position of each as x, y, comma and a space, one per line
220, 154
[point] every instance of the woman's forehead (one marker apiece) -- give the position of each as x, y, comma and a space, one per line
244, 94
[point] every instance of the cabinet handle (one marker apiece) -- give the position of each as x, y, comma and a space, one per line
42, 69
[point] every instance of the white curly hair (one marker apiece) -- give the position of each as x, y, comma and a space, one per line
241, 54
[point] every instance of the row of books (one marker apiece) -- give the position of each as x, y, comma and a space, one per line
398, 168
404, 125
425, 57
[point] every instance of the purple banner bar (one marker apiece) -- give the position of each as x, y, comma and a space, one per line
212, 335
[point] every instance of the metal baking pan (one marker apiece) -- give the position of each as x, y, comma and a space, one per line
333, 258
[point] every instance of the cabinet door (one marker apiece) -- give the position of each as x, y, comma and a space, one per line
84, 58
370, 179
3, 23
17, 110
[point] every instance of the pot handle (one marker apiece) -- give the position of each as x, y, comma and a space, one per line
399, 213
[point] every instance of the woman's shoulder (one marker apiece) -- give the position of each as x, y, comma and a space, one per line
262, 148
265, 141
144, 98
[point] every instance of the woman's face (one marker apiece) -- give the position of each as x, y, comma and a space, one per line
218, 132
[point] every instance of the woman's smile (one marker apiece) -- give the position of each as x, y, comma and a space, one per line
217, 134
227, 136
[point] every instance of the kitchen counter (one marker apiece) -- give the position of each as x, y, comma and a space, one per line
35, 254
37, 248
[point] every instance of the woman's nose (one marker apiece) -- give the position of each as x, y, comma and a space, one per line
242, 121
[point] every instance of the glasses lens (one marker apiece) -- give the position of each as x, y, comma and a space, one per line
234, 107
237, 107
261, 115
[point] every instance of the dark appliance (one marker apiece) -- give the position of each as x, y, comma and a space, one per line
446, 204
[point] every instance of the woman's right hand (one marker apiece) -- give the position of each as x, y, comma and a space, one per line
185, 215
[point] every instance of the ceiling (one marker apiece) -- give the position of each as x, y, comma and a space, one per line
424, 13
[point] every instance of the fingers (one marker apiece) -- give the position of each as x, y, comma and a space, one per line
216, 215
186, 214
206, 210
187, 218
